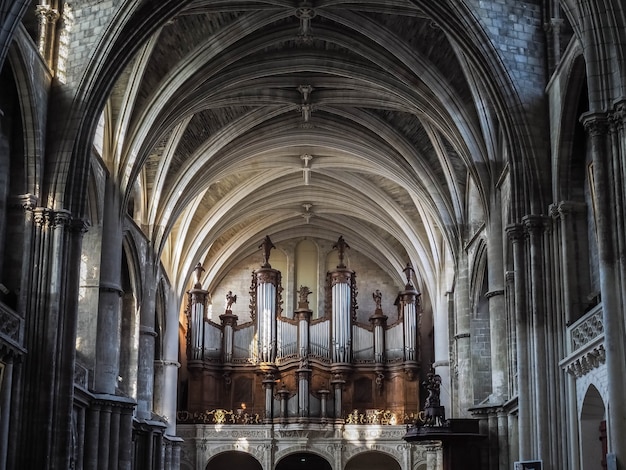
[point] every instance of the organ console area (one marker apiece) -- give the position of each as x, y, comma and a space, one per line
293, 368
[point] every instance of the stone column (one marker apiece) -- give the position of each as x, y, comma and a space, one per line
573, 437
462, 338
125, 435
516, 235
147, 335
596, 125
92, 437
503, 440
442, 314
497, 308
166, 369
51, 293
535, 226
5, 408
104, 437
109, 301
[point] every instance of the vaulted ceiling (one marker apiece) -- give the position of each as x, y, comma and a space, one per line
241, 119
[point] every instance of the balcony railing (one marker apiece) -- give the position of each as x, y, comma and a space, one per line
11, 329
585, 342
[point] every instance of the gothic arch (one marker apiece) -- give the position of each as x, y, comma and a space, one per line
32, 114
373, 460
303, 460
569, 125
256, 452
281, 454
478, 274
233, 459
592, 418
131, 28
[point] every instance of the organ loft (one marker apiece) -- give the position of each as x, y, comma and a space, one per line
278, 366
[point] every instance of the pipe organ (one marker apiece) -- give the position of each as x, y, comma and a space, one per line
291, 367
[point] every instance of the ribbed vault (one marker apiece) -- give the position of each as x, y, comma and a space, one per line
246, 119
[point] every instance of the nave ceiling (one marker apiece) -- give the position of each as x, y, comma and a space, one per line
244, 119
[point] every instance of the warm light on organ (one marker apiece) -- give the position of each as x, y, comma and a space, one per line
298, 368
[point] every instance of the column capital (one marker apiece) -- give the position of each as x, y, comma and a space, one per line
619, 109
570, 207
534, 224
47, 14
494, 293
595, 123
27, 202
515, 232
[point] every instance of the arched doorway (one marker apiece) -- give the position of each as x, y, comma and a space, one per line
233, 459
303, 461
593, 431
372, 461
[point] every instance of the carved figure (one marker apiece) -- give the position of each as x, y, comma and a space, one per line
433, 385
378, 299
267, 246
434, 413
303, 294
230, 300
341, 246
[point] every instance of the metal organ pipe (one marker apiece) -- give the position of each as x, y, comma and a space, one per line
266, 315
229, 321
197, 327
379, 321
341, 316
197, 307
410, 331
197, 302
409, 299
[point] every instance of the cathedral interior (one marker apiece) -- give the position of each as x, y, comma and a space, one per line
312, 234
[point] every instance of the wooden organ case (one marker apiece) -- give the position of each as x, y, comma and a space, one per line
295, 369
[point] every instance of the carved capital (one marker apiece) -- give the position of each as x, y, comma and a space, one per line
596, 124
534, 224
494, 293
47, 14
26, 202
515, 232
618, 116
570, 207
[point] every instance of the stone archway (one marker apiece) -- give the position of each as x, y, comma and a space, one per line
234, 459
592, 418
303, 461
372, 461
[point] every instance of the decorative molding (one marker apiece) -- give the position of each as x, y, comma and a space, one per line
586, 330
515, 232
596, 124
587, 362
494, 293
